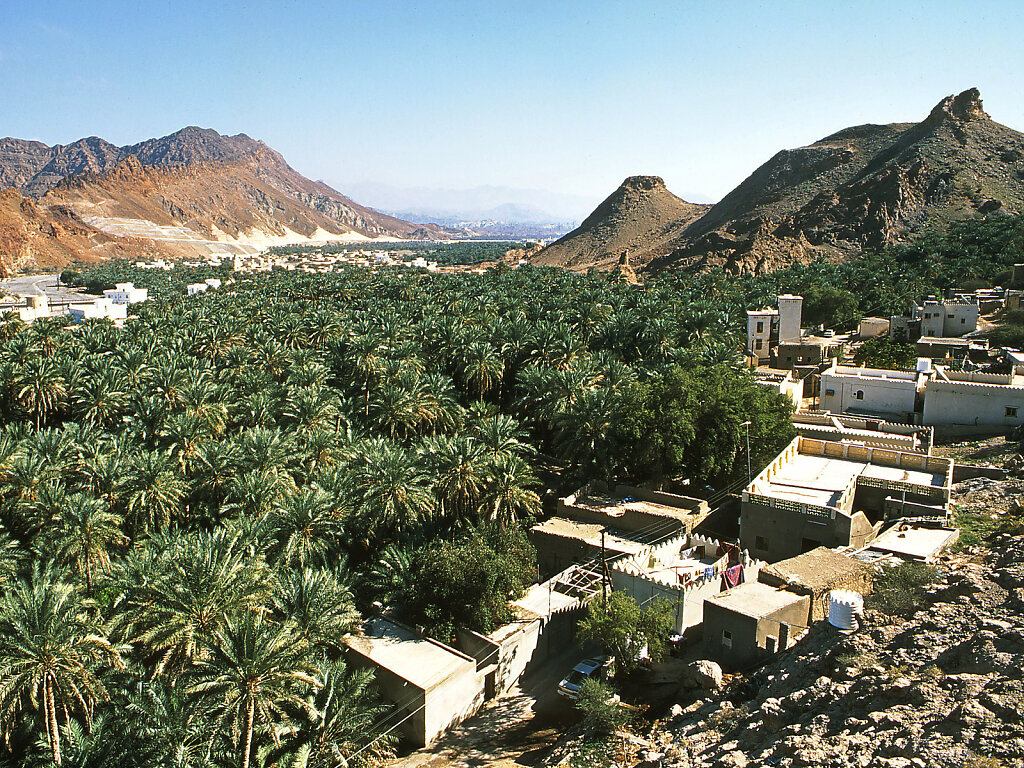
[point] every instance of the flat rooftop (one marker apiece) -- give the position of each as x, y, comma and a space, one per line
817, 480
540, 599
589, 533
615, 507
913, 542
755, 599
424, 663
813, 478
815, 570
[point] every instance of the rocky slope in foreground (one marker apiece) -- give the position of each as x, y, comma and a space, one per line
186, 194
868, 186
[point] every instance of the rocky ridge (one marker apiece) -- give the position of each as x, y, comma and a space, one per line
867, 186
222, 188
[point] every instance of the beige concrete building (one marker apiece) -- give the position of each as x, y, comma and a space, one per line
433, 685
871, 327
873, 432
630, 518
753, 621
815, 574
947, 318
762, 331
683, 572
817, 493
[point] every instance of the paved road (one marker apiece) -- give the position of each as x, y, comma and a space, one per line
36, 285
516, 730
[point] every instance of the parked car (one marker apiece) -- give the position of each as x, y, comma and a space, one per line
588, 669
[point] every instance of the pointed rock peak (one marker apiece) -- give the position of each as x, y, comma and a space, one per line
962, 107
643, 182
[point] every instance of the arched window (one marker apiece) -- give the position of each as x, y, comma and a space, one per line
859, 394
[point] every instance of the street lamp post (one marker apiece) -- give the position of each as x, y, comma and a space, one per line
746, 427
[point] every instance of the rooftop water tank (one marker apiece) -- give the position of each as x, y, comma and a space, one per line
924, 364
843, 605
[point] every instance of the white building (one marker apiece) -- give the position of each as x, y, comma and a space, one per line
96, 310
871, 391
214, 282
193, 288
870, 327
36, 306
974, 399
126, 293
761, 325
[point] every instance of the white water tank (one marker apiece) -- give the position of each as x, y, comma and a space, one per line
924, 364
843, 605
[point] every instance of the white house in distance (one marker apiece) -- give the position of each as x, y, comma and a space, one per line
126, 293
193, 288
101, 308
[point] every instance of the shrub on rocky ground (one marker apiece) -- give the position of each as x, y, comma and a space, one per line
899, 589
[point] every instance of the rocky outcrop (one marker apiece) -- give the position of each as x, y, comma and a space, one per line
862, 188
635, 221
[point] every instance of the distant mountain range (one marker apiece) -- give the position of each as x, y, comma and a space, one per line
863, 187
485, 203
191, 193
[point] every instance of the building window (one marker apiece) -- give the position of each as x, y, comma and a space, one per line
950, 317
760, 326
758, 344
859, 394
727, 638
1011, 412
760, 542
963, 321
830, 393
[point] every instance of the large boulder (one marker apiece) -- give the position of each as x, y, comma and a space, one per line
704, 674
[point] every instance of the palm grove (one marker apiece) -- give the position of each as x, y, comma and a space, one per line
197, 508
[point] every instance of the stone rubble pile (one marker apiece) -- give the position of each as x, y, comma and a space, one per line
942, 687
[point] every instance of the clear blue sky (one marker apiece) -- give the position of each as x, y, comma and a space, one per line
566, 96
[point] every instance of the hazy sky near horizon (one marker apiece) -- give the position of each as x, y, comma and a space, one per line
562, 96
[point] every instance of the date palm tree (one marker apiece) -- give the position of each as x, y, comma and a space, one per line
51, 657
256, 672
86, 532
152, 492
340, 717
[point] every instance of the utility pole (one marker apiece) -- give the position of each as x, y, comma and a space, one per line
746, 427
604, 572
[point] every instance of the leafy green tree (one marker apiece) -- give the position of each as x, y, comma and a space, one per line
883, 352
469, 584
625, 629
602, 713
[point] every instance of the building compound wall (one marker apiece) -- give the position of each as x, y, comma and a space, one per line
452, 700
634, 577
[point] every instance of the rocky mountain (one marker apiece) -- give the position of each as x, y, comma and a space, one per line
864, 187
638, 219
191, 193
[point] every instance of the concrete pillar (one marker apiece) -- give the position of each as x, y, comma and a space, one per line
783, 636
